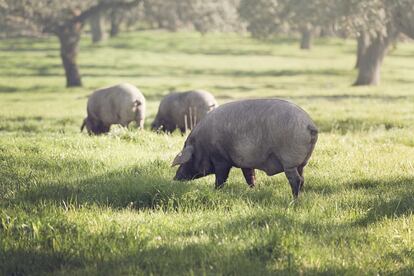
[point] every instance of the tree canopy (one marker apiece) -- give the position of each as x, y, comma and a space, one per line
269, 17
203, 16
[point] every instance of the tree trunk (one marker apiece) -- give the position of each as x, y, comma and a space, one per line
362, 44
69, 36
306, 38
403, 18
324, 32
97, 28
327, 31
115, 23
370, 60
114, 28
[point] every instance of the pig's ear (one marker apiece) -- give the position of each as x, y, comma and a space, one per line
184, 156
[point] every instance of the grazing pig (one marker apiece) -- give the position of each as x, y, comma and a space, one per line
270, 135
183, 110
119, 104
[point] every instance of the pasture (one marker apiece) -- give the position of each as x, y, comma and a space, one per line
81, 205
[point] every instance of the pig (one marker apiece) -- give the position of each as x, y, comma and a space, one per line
119, 104
183, 110
271, 135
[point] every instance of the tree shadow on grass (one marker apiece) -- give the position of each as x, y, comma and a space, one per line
8, 89
313, 97
20, 48
102, 71
346, 125
396, 199
150, 186
139, 187
239, 88
36, 124
267, 73
32, 89
171, 48
159, 260
267, 254
33, 69
385, 98
256, 257
131, 187
34, 261
105, 70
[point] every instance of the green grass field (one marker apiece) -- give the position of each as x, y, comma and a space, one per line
80, 205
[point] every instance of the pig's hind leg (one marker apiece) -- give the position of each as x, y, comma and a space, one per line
250, 176
295, 180
300, 171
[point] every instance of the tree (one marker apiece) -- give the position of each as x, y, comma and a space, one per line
97, 25
173, 15
403, 11
165, 14
263, 17
377, 25
269, 17
64, 19
213, 15
12, 25
119, 18
115, 18
203, 16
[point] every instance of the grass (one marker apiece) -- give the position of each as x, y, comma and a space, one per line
74, 204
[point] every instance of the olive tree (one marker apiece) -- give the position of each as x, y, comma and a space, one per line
269, 17
116, 17
64, 19
377, 24
12, 24
173, 15
203, 16
97, 25
216, 15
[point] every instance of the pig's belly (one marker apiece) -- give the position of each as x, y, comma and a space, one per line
268, 163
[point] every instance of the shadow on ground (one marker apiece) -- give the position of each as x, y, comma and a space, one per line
148, 186
141, 256
393, 198
105, 70
143, 187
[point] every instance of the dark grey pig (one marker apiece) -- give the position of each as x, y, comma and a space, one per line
270, 135
119, 104
183, 110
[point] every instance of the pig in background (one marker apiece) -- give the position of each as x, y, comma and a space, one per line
270, 135
183, 110
119, 104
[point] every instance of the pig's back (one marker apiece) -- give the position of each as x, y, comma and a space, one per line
254, 132
112, 104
